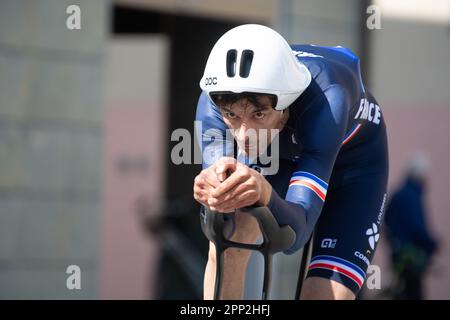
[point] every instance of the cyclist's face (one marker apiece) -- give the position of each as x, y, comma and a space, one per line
248, 122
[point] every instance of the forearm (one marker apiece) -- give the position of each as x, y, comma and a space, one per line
235, 265
295, 216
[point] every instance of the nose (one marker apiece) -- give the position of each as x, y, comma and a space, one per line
242, 133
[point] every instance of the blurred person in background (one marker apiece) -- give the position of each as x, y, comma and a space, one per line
412, 243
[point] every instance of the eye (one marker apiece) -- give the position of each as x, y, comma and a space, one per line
259, 115
230, 115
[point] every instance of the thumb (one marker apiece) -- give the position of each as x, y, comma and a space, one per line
225, 167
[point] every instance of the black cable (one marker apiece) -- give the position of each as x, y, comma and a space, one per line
219, 273
267, 276
303, 264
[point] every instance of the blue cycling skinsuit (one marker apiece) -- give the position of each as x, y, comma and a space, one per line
333, 165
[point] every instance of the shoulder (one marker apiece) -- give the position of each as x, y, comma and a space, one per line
321, 120
331, 65
205, 108
208, 113
318, 99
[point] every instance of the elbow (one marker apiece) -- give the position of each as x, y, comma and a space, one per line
300, 241
303, 228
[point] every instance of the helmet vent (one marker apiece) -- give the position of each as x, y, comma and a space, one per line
231, 62
246, 63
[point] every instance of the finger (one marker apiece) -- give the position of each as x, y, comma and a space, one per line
230, 161
201, 195
227, 196
200, 198
243, 200
247, 199
222, 176
224, 166
198, 194
240, 200
210, 179
206, 179
237, 177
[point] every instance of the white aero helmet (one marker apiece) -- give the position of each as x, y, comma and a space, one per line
256, 59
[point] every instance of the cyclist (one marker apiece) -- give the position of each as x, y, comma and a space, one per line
332, 155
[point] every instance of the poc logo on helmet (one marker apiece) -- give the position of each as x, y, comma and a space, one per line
210, 81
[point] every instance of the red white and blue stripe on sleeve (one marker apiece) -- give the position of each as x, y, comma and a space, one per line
339, 265
303, 179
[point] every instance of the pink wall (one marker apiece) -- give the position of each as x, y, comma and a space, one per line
128, 258
427, 129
